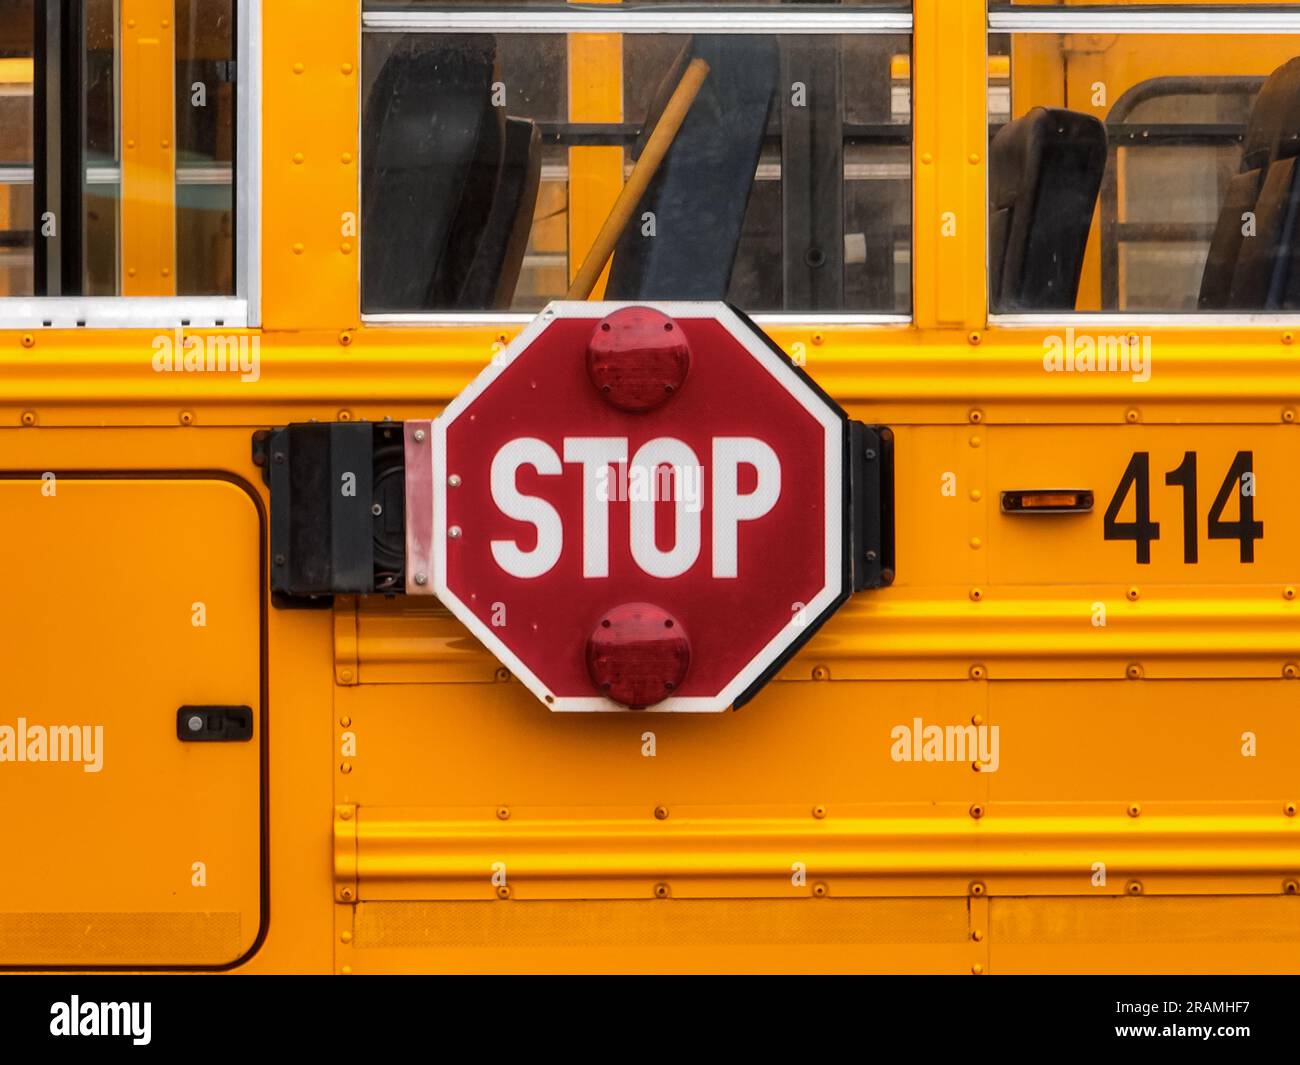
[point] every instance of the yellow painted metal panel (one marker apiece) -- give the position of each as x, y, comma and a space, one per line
310, 185
595, 173
117, 631
148, 148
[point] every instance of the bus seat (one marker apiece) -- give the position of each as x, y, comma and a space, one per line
1045, 172
494, 272
432, 154
1257, 274
700, 193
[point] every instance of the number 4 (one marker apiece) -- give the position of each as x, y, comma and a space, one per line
1142, 529
1246, 530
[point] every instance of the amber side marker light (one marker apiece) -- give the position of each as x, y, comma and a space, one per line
1047, 501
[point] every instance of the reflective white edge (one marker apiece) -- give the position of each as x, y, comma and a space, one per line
792, 320
1081, 20
123, 312
834, 573
1148, 321
737, 20
248, 160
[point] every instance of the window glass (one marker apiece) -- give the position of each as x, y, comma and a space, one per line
492, 162
1141, 172
117, 149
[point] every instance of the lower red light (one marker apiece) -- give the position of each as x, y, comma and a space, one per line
638, 655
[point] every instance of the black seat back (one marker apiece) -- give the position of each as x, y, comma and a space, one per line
1045, 171
432, 157
699, 195
494, 272
1257, 272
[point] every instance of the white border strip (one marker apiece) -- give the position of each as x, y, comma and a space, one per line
734, 21
123, 312
1146, 321
1182, 20
833, 505
777, 319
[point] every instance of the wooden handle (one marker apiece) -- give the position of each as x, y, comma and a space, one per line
656, 147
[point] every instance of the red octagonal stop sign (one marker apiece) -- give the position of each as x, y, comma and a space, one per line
640, 506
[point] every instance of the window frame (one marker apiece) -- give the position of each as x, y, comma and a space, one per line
240, 311
738, 20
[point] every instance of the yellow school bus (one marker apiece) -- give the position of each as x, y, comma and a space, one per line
1049, 251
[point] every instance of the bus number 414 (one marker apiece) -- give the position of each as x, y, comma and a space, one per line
1240, 482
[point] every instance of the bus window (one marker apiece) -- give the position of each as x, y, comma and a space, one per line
493, 163
16, 62
117, 149
1138, 172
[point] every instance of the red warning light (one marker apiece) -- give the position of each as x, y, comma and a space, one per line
638, 655
638, 358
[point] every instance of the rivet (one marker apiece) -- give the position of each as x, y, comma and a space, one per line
977, 811
974, 158
345, 937
820, 890
454, 480
977, 673
195, 723
503, 813
503, 892
1131, 416
977, 719
976, 888
346, 68
421, 579
344, 415
1291, 887
346, 157
345, 337
819, 811
976, 543
1289, 809
975, 441
186, 418
346, 894
927, 159
976, 416
297, 249
661, 813
818, 339
974, 337
502, 675
346, 247
345, 675
376, 509
166, 271
419, 436
1134, 595
297, 68
1288, 415
454, 532
1288, 592
345, 970
345, 721
28, 340
977, 935
1134, 887
130, 144
166, 24
1134, 809
976, 495
977, 968
976, 595
298, 158
1134, 671
1288, 338
345, 768
661, 891
821, 673
166, 144
345, 814
1290, 671
29, 417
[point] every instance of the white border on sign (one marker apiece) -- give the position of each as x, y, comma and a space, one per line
834, 503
